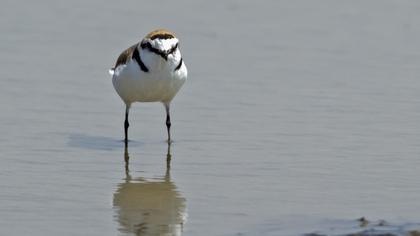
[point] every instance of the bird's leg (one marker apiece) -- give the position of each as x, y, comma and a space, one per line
126, 124
168, 122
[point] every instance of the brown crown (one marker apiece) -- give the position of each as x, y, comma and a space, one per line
161, 34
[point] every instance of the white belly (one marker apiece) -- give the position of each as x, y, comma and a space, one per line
157, 85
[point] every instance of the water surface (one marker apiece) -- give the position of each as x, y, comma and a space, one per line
296, 117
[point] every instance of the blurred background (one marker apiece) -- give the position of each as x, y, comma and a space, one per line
297, 117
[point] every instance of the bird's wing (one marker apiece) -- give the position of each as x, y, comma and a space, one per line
124, 57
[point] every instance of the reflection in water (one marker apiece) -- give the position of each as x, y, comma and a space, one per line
149, 207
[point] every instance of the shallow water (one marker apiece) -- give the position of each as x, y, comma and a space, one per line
297, 117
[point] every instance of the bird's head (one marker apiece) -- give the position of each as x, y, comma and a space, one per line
161, 43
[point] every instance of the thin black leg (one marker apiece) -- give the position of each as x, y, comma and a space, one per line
168, 126
168, 122
126, 125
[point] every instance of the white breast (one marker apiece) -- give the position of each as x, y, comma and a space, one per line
160, 84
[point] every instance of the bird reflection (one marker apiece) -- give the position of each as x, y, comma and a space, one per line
149, 207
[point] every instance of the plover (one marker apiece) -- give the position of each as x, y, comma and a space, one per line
150, 71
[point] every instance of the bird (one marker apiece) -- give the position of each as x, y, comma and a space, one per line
151, 70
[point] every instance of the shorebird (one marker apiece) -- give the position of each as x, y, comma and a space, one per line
151, 70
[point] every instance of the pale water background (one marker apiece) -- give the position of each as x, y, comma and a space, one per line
297, 117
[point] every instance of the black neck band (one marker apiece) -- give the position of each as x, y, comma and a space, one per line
136, 56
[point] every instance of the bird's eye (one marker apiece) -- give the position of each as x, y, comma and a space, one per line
146, 45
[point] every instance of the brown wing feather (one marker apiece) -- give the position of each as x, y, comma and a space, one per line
125, 56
